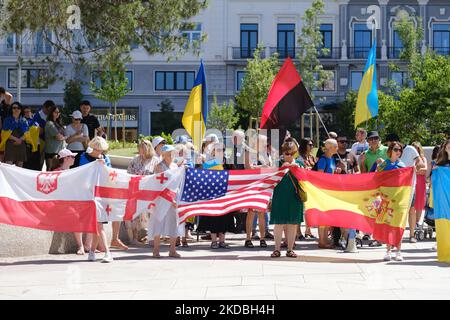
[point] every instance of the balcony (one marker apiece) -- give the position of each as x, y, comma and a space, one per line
444, 51
283, 53
361, 52
28, 50
246, 53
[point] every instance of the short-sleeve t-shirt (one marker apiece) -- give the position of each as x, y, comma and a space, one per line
76, 145
388, 165
358, 148
92, 123
328, 165
371, 157
409, 156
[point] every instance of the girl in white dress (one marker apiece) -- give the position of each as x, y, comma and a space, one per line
168, 226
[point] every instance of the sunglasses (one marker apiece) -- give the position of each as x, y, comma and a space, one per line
342, 141
288, 154
310, 144
396, 149
15, 108
374, 138
57, 112
76, 119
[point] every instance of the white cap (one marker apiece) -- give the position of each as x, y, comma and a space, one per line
167, 148
77, 115
157, 140
66, 153
212, 138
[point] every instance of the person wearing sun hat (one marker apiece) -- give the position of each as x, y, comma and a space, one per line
376, 151
77, 134
165, 223
157, 143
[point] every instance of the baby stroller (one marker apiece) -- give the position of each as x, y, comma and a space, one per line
426, 226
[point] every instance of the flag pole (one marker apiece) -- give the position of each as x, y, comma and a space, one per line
326, 130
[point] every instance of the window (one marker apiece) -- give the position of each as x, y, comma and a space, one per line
31, 78
42, 46
286, 40
174, 80
240, 79
249, 39
356, 80
397, 45
362, 41
328, 85
193, 35
401, 78
97, 80
327, 37
441, 38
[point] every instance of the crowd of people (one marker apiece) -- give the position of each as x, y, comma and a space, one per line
29, 141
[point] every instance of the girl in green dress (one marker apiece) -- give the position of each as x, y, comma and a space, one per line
287, 209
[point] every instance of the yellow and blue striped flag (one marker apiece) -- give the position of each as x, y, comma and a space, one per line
196, 111
440, 180
367, 103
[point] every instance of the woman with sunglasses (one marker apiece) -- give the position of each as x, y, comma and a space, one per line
77, 134
14, 131
394, 153
54, 137
287, 208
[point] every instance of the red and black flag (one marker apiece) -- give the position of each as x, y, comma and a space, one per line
287, 99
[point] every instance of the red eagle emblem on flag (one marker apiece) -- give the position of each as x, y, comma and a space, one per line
47, 182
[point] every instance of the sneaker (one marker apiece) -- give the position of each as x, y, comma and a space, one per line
387, 257
215, 245
91, 256
398, 257
107, 258
412, 240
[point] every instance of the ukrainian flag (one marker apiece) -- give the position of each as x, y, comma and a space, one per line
196, 112
440, 181
367, 103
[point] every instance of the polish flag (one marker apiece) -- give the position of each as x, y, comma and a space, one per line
57, 201
120, 196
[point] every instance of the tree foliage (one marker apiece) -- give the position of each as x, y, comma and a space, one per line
222, 117
259, 76
105, 25
72, 97
311, 47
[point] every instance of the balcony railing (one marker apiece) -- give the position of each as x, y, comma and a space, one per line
445, 51
246, 53
27, 50
362, 52
283, 53
332, 53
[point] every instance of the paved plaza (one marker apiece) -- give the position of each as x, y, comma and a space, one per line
237, 273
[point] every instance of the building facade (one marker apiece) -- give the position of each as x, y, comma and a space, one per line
234, 28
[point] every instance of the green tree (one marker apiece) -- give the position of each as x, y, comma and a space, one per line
222, 117
72, 97
113, 84
167, 119
256, 84
105, 25
310, 42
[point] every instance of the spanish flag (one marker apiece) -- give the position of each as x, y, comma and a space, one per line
440, 181
367, 103
376, 203
196, 112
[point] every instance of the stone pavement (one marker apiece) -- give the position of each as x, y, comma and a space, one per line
237, 273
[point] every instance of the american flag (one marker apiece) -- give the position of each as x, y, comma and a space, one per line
217, 192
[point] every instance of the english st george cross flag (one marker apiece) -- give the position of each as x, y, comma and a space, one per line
121, 196
57, 201
217, 192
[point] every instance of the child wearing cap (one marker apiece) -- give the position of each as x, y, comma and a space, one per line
168, 225
66, 159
